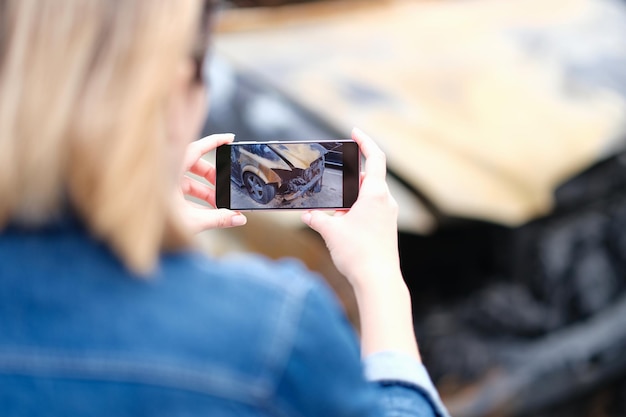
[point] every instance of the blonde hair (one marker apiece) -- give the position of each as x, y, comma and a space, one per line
84, 87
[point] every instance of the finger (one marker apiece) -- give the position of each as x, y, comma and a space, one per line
196, 149
208, 143
375, 161
223, 218
361, 178
317, 220
196, 189
204, 169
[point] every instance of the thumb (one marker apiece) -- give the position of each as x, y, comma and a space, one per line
317, 221
223, 218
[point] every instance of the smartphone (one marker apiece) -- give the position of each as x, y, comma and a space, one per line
279, 175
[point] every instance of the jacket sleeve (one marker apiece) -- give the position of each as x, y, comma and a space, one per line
399, 370
324, 375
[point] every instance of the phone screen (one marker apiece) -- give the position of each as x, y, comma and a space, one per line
287, 175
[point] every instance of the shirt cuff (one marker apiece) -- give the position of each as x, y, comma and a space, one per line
390, 366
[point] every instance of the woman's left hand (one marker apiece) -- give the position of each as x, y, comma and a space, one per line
200, 217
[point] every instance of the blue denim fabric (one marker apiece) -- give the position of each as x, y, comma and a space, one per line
80, 336
397, 368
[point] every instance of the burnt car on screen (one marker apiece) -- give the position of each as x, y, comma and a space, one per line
288, 170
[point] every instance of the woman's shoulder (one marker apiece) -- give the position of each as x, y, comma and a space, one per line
255, 294
232, 323
243, 272
266, 311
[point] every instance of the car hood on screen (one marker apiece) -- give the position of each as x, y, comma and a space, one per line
265, 162
300, 155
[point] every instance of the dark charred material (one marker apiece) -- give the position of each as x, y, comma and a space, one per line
565, 364
547, 326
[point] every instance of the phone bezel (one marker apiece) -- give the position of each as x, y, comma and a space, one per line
351, 172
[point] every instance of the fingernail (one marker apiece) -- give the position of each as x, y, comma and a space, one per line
306, 218
238, 220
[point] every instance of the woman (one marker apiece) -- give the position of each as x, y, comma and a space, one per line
106, 308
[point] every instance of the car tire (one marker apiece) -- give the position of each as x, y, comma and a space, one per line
258, 190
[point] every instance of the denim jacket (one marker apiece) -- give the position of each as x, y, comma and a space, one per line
81, 336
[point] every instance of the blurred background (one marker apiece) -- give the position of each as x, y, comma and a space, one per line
504, 123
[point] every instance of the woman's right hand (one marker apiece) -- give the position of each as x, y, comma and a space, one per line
363, 239
363, 243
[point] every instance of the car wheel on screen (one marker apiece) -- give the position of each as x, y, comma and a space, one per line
258, 190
